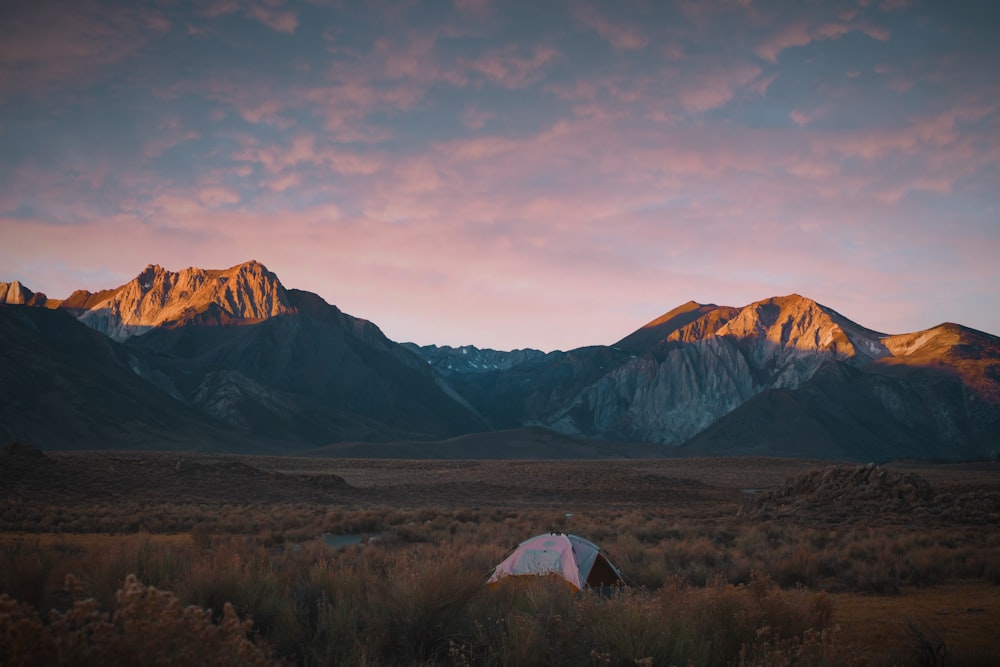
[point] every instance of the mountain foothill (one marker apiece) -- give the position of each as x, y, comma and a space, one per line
231, 360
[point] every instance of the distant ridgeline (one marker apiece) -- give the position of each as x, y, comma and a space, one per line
232, 360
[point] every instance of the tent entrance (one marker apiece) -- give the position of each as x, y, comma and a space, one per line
602, 574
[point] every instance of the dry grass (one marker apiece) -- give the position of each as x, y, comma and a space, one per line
713, 588
962, 616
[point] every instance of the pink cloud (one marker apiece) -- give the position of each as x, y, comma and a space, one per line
353, 94
268, 111
157, 22
168, 135
510, 68
284, 182
42, 50
214, 197
476, 118
216, 8
619, 35
800, 33
276, 19
929, 132
411, 58
715, 88
876, 32
814, 170
899, 190
265, 12
803, 117
256, 102
800, 117
795, 34
901, 84
303, 150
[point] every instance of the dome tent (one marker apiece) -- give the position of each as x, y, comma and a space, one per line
578, 561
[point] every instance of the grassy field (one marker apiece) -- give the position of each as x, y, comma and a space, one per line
733, 561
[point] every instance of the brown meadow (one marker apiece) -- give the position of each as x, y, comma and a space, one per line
103, 553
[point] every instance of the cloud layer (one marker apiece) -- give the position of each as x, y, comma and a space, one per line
506, 174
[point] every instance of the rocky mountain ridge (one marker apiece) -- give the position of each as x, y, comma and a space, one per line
157, 297
784, 375
17, 294
296, 372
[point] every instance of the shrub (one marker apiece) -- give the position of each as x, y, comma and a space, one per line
148, 627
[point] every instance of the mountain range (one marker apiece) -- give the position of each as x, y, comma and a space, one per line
231, 360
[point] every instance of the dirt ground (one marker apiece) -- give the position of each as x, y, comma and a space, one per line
960, 620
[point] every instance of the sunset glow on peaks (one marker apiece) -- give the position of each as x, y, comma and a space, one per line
512, 174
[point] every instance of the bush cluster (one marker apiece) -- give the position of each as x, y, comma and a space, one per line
712, 591
147, 627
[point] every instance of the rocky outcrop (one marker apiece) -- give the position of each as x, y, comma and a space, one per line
864, 491
17, 294
159, 298
664, 398
14, 292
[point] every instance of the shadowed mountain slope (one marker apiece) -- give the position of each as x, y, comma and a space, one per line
782, 376
65, 386
232, 355
314, 372
232, 349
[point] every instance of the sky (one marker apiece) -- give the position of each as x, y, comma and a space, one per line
513, 174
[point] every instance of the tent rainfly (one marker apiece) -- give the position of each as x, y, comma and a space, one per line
578, 561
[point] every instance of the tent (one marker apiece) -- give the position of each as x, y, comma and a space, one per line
573, 558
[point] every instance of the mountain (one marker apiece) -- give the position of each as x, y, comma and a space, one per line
781, 376
448, 360
158, 298
18, 294
237, 350
231, 359
65, 386
937, 397
313, 372
688, 322
673, 377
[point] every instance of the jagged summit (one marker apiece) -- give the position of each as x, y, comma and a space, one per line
247, 292
14, 292
791, 322
799, 323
